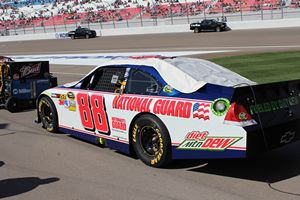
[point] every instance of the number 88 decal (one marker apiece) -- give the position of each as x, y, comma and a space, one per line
92, 112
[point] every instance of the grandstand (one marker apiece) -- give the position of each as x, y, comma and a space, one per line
45, 13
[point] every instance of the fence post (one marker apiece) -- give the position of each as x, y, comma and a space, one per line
44, 25
204, 11
241, 10
171, 14
65, 24
15, 29
262, 11
141, 18
113, 20
53, 24
272, 13
281, 7
187, 12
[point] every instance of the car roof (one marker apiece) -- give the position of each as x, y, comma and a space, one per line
186, 75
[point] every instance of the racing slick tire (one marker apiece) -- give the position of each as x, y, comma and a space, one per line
151, 141
12, 104
218, 29
196, 30
48, 114
87, 36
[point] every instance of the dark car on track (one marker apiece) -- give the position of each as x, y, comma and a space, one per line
209, 25
82, 33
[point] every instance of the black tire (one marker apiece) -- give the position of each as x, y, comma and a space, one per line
151, 141
12, 104
196, 30
218, 29
87, 36
48, 114
73, 37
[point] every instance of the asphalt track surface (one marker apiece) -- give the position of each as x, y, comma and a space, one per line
37, 165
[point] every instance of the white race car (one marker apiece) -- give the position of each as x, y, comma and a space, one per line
173, 108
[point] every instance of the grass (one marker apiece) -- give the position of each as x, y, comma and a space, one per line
264, 67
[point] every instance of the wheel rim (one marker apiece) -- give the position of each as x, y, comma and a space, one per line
150, 141
47, 115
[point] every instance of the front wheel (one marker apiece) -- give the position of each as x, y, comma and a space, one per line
151, 141
87, 36
48, 114
12, 105
218, 29
196, 30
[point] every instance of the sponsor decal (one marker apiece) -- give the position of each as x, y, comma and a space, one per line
72, 105
160, 151
161, 106
287, 137
21, 91
201, 110
114, 79
61, 102
62, 99
168, 89
274, 105
220, 106
71, 95
118, 123
28, 70
61, 35
172, 108
132, 103
197, 140
54, 95
68, 103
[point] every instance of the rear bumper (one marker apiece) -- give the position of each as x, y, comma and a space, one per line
257, 142
272, 137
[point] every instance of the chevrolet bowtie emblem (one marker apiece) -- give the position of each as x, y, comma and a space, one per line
287, 137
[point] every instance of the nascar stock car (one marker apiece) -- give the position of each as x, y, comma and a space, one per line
162, 109
22, 82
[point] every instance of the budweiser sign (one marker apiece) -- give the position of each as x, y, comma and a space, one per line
27, 70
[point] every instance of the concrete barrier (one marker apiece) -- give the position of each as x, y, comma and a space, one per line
241, 25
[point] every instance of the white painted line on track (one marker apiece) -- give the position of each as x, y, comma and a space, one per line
232, 48
66, 73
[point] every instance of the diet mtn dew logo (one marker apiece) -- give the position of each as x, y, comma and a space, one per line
197, 140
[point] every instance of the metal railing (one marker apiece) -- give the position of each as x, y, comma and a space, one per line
141, 17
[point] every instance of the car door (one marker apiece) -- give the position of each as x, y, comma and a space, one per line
87, 107
204, 25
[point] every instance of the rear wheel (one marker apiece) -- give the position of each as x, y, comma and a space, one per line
48, 114
87, 36
151, 141
12, 104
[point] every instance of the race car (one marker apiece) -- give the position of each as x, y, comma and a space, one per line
163, 109
22, 82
